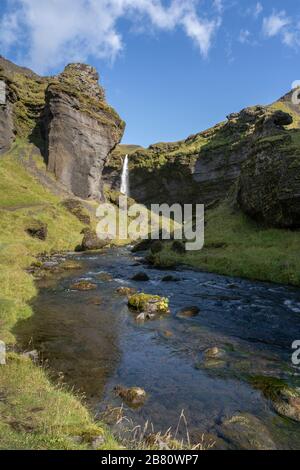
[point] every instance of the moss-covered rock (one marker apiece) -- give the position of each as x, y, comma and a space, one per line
91, 241
246, 432
141, 277
134, 396
76, 208
37, 229
285, 400
153, 304
126, 291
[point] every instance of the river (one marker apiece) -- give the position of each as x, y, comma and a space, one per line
91, 341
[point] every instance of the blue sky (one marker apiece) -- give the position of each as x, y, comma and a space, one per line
170, 68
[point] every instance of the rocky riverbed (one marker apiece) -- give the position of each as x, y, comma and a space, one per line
220, 352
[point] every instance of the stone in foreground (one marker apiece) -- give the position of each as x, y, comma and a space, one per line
134, 396
246, 432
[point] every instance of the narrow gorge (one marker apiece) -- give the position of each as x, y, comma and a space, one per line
145, 328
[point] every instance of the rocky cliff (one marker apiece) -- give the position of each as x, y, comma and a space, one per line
254, 154
67, 117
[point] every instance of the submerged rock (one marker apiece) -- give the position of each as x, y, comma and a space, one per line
167, 334
83, 286
141, 277
134, 396
95, 301
170, 278
285, 400
105, 277
246, 432
188, 312
70, 265
287, 404
126, 291
214, 353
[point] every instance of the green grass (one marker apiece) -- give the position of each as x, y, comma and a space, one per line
237, 246
35, 414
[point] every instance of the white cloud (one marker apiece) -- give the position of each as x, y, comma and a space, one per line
255, 10
275, 23
278, 24
218, 5
244, 36
258, 10
56, 31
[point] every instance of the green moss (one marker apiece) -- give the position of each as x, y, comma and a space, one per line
271, 387
28, 97
140, 302
283, 106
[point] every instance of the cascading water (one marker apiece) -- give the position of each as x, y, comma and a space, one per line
125, 178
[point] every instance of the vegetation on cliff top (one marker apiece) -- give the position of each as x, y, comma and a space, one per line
27, 92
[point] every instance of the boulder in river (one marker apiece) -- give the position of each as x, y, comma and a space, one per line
126, 291
83, 286
246, 432
91, 241
285, 399
170, 278
288, 404
141, 277
149, 304
214, 353
189, 312
134, 396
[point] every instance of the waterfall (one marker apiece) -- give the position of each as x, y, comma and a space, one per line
125, 178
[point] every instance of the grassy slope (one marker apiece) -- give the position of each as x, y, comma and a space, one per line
34, 413
249, 250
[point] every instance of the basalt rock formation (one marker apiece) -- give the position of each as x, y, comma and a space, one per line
67, 118
81, 130
254, 157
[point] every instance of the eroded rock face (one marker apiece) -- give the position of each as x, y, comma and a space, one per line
253, 158
81, 130
269, 185
66, 117
6, 127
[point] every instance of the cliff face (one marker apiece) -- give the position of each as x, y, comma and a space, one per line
253, 154
67, 117
81, 130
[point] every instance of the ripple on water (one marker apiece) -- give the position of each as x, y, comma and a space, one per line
99, 345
